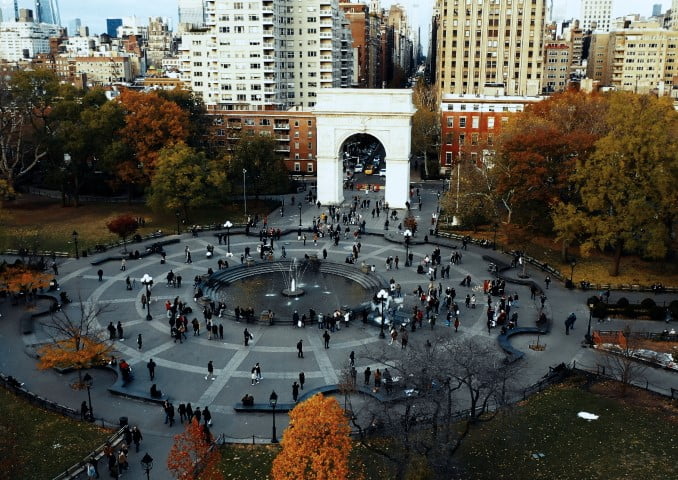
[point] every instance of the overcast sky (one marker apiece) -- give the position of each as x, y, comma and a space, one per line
94, 13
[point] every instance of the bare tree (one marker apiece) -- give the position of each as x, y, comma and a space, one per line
78, 341
441, 391
621, 360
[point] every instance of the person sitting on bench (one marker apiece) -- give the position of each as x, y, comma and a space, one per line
248, 400
155, 393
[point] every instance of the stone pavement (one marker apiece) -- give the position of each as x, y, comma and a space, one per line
182, 368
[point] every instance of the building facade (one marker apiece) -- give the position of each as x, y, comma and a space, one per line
471, 124
9, 11
24, 40
490, 44
596, 15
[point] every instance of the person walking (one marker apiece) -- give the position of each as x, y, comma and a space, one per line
257, 368
456, 324
248, 336
151, 368
300, 349
100, 273
295, 391
302, 379
210, 370
547, 281
367, 374
326, 338
170, 413
140, 341
182, 412
207, 416
119, 329
351, 359
136, 437
111, 331
123, 265
254, 375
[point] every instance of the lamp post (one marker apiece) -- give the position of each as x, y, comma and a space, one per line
300, 214
147, 465
178, 215
244, 190
573, 264
494, 242
87, 380
408, 235
382, 296
228, 226
587, 338
75, 241
147, 280
273, 401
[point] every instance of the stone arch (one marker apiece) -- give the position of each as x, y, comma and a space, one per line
384, 114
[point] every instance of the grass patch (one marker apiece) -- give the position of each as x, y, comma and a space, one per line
43, 224
36, 444
630, 440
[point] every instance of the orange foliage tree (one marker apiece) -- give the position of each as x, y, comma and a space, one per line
76, 340
21, 279
123, 226
316, 445
151, 123
192, 455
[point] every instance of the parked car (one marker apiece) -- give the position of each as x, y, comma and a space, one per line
382, 172
358, 168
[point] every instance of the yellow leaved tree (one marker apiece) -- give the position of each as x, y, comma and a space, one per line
316, 445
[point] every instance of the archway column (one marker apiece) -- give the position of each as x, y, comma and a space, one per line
397, 182
330, 180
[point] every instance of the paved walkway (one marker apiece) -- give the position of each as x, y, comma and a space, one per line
181, 368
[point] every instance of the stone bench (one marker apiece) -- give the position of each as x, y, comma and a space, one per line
131, 391
505, 344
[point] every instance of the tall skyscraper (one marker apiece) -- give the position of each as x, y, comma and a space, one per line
656, 9
112, 25
47, 11
596, 15
9, 10
74, 27
483, 46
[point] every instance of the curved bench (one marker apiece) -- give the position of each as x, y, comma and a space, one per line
128, 390
513, 353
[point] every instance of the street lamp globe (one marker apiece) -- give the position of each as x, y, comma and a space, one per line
147, 281
382, 296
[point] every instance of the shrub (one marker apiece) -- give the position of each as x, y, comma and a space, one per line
673, 308
657, 313
648, 303
594, 300
599, 310
623, 302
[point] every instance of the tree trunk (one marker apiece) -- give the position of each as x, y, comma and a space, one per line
563, 251
617, 258
425, 163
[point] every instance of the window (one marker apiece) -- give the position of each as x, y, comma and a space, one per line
475, 122
450, 122
309, 167
448, 158
462, 122
474, 139
462, 140
297, 167
448, 139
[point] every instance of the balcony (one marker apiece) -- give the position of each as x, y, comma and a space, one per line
282, 138
281, 126
283, 149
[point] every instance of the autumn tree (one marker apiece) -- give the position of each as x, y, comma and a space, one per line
22, 279
626, 200
123, 226
151, 123
192, 455
266, 172
316, 445
538, 152
426, 128
194, 107
185, 180
77, 341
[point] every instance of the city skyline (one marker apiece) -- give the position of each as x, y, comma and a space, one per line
94, 14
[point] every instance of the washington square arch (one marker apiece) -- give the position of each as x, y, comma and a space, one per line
384, 114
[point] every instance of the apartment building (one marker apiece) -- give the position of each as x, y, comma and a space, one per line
25, 39
294, 132
471, 124
557, 60
489, 44
596, 15
265, 54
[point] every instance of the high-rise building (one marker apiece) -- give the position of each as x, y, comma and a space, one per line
268, 54
596, 15
656, 9
74, 27
191, 13
159, 43
490, 45
112, 25
47, 11
9, 10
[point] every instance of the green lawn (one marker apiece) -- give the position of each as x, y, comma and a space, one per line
36, 444
43, 224
632, 439
626, 442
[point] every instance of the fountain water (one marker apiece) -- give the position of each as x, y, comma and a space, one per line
292, 277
